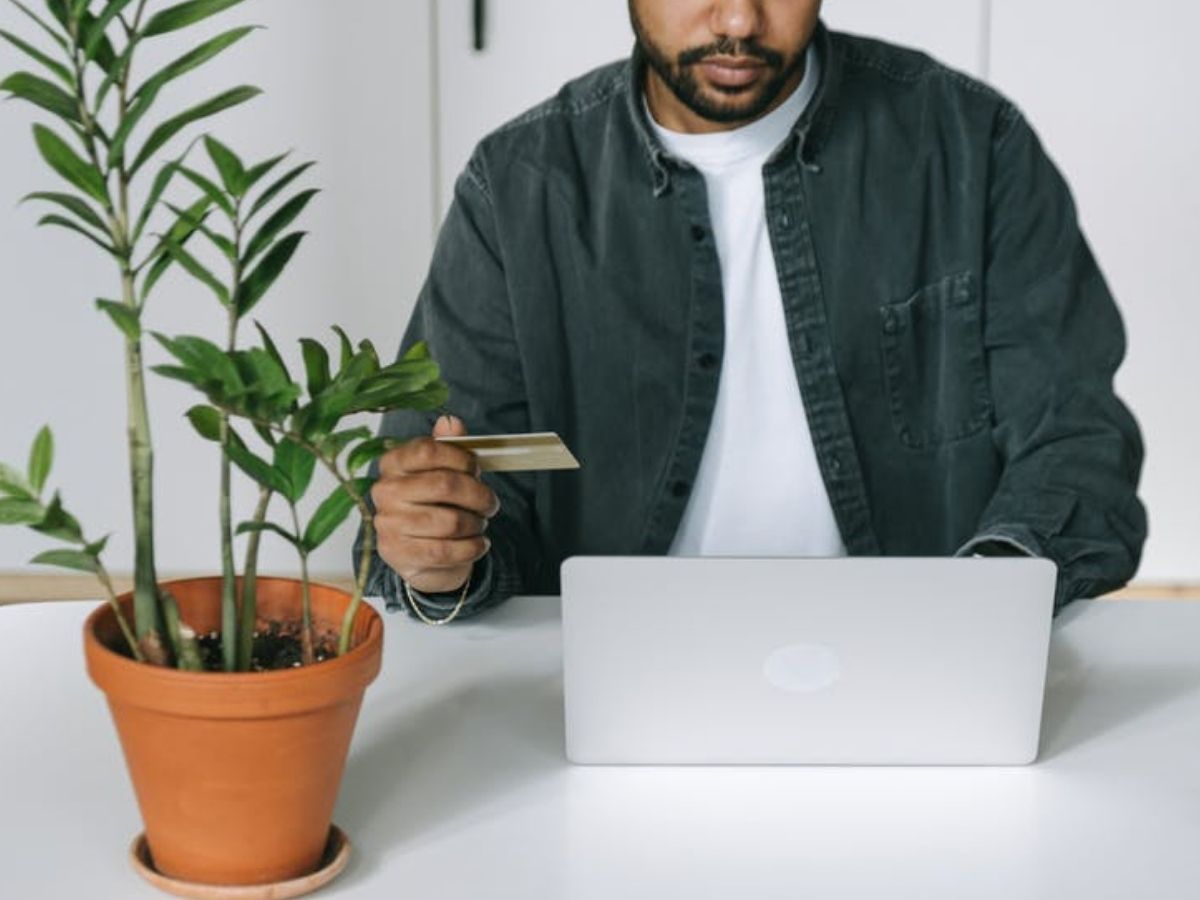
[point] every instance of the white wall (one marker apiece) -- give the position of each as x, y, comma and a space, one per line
347, 84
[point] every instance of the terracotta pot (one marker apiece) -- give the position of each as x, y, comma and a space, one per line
236, 774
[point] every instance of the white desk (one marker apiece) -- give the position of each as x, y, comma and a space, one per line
457, 786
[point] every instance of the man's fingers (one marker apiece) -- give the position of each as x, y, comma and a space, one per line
423, 554
440, 487
425, 521
425, 454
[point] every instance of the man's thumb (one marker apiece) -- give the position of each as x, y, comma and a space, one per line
449, 426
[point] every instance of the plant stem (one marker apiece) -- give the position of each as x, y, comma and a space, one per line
248, 612
306, 635
230, 627
111, 597
360, 582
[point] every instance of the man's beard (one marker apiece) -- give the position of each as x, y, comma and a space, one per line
679, 75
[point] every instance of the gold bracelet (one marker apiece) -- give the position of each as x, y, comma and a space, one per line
446, 620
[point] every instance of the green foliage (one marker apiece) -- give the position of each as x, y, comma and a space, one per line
171, 127
41, 457
184, 14
126, 319
63, 160
43, 93
62, 72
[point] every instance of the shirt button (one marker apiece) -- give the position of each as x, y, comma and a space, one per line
785, 220
707, 361
698, 233
679, 489
890, 325
835, 464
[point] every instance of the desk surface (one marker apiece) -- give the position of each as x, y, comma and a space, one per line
457, 786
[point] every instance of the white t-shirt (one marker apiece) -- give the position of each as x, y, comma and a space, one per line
759, 491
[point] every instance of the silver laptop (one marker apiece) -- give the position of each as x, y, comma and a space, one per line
839, 661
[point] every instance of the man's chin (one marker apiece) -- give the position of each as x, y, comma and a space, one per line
729, 106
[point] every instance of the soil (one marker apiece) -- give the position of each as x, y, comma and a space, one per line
275, 647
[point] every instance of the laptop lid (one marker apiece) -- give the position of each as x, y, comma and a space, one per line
839, 661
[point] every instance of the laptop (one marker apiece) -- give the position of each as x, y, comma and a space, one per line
850, 661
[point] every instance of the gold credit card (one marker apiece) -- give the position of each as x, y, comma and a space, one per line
517, 452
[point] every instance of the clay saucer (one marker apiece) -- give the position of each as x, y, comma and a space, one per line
337, 854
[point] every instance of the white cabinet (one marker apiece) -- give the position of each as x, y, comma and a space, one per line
1113, 91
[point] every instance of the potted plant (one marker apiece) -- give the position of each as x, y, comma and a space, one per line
234, 696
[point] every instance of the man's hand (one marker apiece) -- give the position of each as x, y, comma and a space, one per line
431, 510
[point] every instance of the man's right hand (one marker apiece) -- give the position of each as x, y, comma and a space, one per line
431, 510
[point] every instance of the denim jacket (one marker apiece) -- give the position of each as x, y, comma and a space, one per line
953, 338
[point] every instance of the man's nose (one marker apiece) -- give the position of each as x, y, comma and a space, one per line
736, 19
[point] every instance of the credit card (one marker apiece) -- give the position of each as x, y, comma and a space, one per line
517, 452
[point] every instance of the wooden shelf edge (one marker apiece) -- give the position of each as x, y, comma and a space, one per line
22, 587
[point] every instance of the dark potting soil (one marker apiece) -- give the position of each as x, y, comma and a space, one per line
277, 647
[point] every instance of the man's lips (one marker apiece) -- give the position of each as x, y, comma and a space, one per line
732, 72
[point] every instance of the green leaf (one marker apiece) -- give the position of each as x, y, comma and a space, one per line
41, 458
347, 348
334, 444
16, 511
180, 233
115, 73
196, 269
63, 73
275, 224
54, 35
233, 172
222, 243
204, 358
173, 126
257, 468
96, 28
13, 483
417, 352
211, 191
72, 225
329, 515
126, 319
259, 281
79, 560
269, 346
369, 451
161, 181
59, 523
61, 12
246, 527
270, 193
66, 163
257, 172
72, 204
316, 365
95, 548
192, 60
43, 93
296, 465
206, 420
183, 14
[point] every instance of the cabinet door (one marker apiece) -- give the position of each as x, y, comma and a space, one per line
531, 47
1112, 89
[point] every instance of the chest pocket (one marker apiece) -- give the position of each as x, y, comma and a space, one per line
934, 365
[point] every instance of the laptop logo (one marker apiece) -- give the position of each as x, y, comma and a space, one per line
803, 668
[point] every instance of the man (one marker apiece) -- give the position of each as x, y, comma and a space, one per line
784, 292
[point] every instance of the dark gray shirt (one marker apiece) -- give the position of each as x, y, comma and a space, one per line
953, 338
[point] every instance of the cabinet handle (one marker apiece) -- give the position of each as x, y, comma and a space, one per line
480, 23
